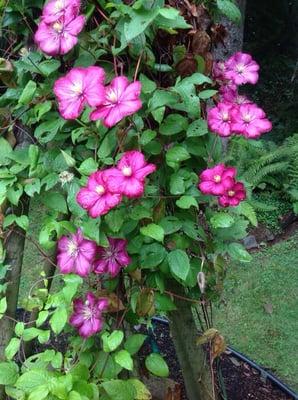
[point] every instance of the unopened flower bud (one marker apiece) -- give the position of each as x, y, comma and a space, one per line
201, 282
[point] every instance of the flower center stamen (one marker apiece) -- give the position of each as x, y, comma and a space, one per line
59, 5
225, 116
240, 68
112, 96
100, 189
127, 171
72, 248
58, 27
217, 178
247, 118
231, 193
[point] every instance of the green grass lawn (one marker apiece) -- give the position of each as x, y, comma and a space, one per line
259, 314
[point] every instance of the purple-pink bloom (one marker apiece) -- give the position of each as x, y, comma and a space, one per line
87, 314
128, 177
219, 119
218, 71
80, 86
122, 98
75, 254
241, 68
233, 195
217, 180
96, 197
233, 97
60, 36
55, 9
250, 120
111, 259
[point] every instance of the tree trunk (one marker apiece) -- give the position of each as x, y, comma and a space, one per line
14, 244
193, 360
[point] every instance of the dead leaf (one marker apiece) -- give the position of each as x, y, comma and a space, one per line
187, 66
201, 43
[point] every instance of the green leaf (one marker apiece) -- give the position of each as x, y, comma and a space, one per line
142, 393
197, 128
30, 333
176, 154
46, 131
12, 348
42, 108
19, 328
163, 302
40, 393
123, 358
69, 160
119, 390
186, 202
177, 184
55, 201
229, 9
28, 93
248, 211
42, 317
154, 231
134, 343
22, 222
9, 372
140, 20
173, 124
170, 224
49, 66
157, 365
3, 305
14, 193
88, 166
5, 151
58, 320
206, 94
179, 263
148, 86
112, 341
222, 220
147, 136
238, 252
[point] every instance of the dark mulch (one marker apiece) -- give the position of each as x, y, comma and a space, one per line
240, 380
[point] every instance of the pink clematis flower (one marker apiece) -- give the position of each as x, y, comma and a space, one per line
96, 197
87, 314
80, 86
111, 259
76, 254
250, 120
55, 9
234, 97
241, 68
233, 195
217, 180
218, 71
129, 175
59, 36
122, 98
219, 119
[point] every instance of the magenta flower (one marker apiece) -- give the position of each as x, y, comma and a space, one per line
217, 180
219, 119
121, 99
129, 176
218, 71
87, 314
60, 36
96, 197
241, 68
75, 254
111, 259
80, 86
233, 195
250, 120
55, 9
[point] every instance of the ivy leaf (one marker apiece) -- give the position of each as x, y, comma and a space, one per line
229, 9
154, 231
222, 220
157, 365
123, 358
179, 263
